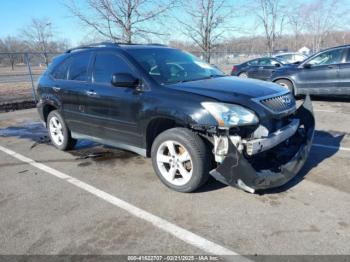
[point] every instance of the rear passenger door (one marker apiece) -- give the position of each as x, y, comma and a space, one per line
71, 78
112, 112
344, 76
253, 68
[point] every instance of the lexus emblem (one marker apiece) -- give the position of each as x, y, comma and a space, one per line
286, 100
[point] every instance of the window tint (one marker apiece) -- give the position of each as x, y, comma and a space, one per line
327, 58
78, 67
108, 64
252, 63
60, 72
348, 56
267, 62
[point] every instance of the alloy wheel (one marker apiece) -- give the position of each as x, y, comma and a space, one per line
174, 163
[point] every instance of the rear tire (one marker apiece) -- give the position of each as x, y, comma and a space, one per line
286, 84
243, 75
58, 131
181, 159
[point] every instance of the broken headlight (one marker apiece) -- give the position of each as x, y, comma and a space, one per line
228, 115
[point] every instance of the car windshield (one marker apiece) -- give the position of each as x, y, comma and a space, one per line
169, 66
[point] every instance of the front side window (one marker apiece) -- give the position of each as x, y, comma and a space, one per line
268, 62
327, 58
253, 62
106, 65
169, 66
79, 66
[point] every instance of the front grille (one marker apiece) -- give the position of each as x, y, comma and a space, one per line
279, 104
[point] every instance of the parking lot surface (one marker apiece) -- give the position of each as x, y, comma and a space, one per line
73, 202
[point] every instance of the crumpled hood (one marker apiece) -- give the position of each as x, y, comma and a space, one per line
229, 89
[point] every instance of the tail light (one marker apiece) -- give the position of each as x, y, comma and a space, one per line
234, 68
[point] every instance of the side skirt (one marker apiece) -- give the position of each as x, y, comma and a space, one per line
137, 150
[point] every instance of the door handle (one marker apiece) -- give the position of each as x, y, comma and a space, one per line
91, 93
331, 66
56, 88
261, 68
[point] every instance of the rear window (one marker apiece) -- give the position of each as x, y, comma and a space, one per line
78, 67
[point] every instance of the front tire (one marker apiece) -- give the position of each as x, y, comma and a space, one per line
181, 159
58, 131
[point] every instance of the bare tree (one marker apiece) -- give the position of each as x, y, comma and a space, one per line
38, 35
205, 23
321, 18
296, 22
121, 20
271, 14
11, 46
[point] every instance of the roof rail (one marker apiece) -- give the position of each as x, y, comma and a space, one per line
123, 43
107, 44
102, 44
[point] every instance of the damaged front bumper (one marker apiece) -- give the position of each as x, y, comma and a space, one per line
269, 162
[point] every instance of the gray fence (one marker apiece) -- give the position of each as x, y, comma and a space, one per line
18, 73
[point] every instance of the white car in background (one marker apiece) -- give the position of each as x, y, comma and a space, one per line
290, 58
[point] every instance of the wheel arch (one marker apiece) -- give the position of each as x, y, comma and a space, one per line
47, 108
158, 125
288, 79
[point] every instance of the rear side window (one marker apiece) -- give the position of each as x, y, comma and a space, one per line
348, 56
265, 61
252, 63
60, 72
78, 67
108, 64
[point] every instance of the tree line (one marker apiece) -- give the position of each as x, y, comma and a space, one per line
207, 26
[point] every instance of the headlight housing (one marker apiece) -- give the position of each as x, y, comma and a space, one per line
228, 115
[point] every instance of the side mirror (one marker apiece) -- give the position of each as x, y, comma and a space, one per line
124, 80
278, 65
307, 66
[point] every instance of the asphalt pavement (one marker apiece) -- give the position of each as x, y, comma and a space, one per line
101, 200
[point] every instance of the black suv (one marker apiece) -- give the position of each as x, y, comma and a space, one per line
185, 114
325, 73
